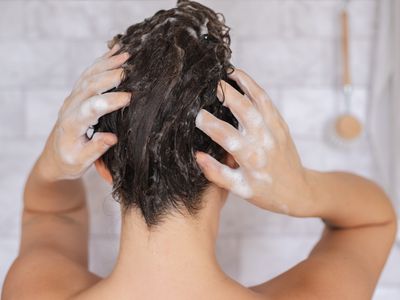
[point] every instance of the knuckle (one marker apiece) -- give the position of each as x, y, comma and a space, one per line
91, 107
90, 83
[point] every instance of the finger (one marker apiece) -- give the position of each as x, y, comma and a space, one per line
261, 100
95, 107
256, 93
106, 64
240, 106
249, 86
97, 146
224, 134
100, 83
223, 176
112, 51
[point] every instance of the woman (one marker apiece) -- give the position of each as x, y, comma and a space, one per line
166, 106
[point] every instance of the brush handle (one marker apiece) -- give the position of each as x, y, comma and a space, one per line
345, 48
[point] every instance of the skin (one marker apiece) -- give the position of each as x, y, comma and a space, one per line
177, 259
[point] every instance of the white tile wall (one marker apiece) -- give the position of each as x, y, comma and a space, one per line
290, 46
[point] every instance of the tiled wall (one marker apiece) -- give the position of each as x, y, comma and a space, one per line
290, 46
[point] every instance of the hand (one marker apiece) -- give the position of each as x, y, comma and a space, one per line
269, 174
68, 152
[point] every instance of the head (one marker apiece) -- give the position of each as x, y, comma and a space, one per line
178, 56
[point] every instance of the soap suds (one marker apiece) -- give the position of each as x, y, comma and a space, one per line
192, 32
254, 117
203, 27
170, 19
200, 118
233, 144
262, 176
238, 182
96, 105
143, 38
268, 141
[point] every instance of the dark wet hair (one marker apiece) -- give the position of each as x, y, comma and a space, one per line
178, 56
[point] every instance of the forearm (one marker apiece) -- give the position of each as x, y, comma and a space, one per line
44, 195
345, 200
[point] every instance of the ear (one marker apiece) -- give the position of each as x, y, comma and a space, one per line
103, 171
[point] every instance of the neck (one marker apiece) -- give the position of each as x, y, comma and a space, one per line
179, 246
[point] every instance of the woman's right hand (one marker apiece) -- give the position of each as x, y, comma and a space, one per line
270, 174
68, 152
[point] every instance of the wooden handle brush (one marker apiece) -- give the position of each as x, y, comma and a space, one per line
347, 126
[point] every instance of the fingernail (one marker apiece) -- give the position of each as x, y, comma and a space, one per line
200, 158
219, 92
125, 55
116, 46
128, 97
200, 118
110, 142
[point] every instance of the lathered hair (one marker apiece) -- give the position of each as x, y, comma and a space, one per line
178, 56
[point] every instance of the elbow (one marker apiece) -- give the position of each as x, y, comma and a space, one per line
388, 212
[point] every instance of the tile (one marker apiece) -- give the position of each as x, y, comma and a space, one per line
228, 255
127, 13
11, 19
360, 58
12, 113
391, 272
42, 107
288, 62
18, 58
17, 159
8, 252
87, 19
387, 293
363, 18
105, 220
324, 18
307, 111
250, 19
361, 61
68, 19
264, 257
81, 55
103, 252
239, 216
326, 155
33, 63
322, 21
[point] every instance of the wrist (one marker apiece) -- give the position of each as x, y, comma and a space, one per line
44, 169
317, 197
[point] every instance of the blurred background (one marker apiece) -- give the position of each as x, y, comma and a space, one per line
293, 48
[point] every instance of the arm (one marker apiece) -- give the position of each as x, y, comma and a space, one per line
360, 221
54, 235
348, 259
54, 215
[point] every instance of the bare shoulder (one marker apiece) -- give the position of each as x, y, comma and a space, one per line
46, 274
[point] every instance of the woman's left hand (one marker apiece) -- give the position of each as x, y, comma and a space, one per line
68, 152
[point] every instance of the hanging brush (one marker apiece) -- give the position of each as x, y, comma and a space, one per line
346, 128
